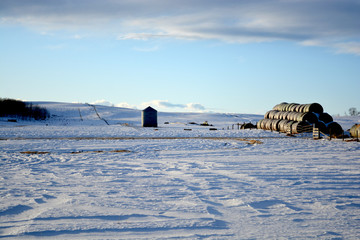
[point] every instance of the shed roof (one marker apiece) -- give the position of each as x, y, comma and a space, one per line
149, 109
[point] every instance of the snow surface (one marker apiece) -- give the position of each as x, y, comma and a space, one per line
76, 177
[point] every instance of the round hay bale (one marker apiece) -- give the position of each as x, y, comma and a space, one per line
287, 107
307, 116
262, 123
325, 117
300, 127
302, 107
293, 106
267, 114
297, 108
278, 107
290, 116
321, 126
268, 124
258, 124
283, 125
284, 107
285, 115
275, 125
334, 129
288, 125
313, 107
272, 114
355, 131
293, 116
277, 115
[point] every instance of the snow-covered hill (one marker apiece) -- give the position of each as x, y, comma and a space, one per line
89, 115
97, 174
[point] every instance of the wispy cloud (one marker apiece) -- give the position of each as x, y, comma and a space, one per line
166, 105
329, 23
125, 105
349, 47
103, 102
162, 105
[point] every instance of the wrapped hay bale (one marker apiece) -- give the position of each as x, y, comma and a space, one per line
334, 129
307, 116
321, 126
325, 117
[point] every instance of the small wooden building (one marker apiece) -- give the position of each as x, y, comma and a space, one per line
149, 117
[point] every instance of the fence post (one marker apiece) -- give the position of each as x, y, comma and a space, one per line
316, 132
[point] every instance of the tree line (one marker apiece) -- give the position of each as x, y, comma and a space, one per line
353, 112
19, 109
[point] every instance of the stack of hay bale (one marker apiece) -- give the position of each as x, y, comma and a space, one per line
298, 118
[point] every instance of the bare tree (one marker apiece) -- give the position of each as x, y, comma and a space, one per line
353, 111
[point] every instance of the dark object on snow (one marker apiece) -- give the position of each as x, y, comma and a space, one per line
205, 124
149, 117
325, 117
355, 131
334, 129
247, 126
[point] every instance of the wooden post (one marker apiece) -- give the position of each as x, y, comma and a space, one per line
289, 131
316, 132
80, 115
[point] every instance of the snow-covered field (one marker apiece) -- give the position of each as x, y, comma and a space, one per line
75, 177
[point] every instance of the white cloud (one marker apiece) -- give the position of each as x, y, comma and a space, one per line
316, 23
350, 47
103, 102
195, 107
162, 105
166, 106
125, 105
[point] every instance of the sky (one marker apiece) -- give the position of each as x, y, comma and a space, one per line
231, 56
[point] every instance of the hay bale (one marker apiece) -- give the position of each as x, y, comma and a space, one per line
313, 107
300, 127
355, 131
325, 117
334, 129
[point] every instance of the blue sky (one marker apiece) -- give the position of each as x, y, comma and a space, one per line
221, 56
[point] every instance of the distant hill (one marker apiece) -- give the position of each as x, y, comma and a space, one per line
62, 113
